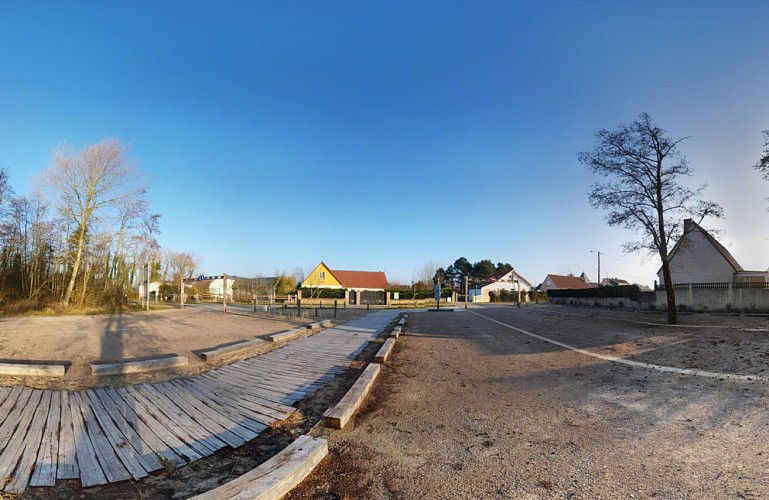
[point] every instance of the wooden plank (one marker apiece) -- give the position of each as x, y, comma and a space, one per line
211, 425
141, 444
128, 456
67, 467
277, 476
113, 468
33, 370
185, 427
234, 429
143, 366
91, 473
31, 446
251, 403
255, 416
227, 406
14, 446
385, 351
45, 466
338, 416
12, 408
173, 449
265, 398
220, 353
286, 336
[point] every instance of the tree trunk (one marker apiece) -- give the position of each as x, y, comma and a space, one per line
669, 292
76, 264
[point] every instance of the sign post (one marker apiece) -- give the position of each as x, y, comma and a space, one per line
437, 291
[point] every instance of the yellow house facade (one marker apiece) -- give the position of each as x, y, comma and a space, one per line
321, 277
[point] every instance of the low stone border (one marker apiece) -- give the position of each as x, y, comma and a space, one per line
385, 350
402, 321
227, 351
396, 332
288, 335
139, 366
277, 476
326, 323
33, 370
338, 416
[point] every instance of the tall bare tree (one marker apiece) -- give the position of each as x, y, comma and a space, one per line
642, 190
763, 162
91, 186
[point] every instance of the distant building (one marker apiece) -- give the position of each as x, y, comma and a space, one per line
699, 258
361, 287
214, 286
508, 280
613, 282
559, 282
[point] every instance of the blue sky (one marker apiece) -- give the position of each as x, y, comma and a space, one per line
384, 135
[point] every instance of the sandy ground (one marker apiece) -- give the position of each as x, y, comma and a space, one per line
82, 340
467, 408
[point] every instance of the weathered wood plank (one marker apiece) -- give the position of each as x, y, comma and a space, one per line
128, 456
233, 427
113, 469
186, 428
277, 476
31, 446
45, 466
143, 366
224, 352
175, 450
383, 353
67, 457
91, 473
146, 445
15, 445
338, 416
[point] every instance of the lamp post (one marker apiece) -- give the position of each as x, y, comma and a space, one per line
599, 265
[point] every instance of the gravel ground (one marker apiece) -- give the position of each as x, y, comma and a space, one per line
467, 408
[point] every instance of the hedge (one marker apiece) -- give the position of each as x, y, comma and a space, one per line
322, 293
632, 292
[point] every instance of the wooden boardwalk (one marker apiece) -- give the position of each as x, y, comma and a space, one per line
113, 434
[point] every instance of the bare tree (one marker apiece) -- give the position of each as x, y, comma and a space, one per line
763, 162
642, 192
88, 187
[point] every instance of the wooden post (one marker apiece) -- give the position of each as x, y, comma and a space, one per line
467, 293
254, 302
224, 293
298, 308
181, 292
335, 308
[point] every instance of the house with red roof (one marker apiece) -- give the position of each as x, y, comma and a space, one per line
361, 287
570, 282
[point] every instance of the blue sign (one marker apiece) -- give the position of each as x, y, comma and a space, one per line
437, 291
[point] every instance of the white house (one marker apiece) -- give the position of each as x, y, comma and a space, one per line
213, 285
154, 290
698, 258
510, 281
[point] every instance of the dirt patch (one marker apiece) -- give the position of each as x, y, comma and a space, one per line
82, 340
470, 409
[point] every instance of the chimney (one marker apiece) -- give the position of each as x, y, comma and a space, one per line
688, 223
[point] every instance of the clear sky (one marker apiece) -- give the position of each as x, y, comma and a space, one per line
383, 135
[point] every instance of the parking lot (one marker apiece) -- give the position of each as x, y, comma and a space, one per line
501, 402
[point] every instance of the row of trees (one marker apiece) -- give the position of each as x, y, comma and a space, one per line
81, 238
643, 189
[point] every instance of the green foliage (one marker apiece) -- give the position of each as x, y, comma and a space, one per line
483, 270
322, 293
285, 284
632, 292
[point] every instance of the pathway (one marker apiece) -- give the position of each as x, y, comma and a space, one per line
113, 434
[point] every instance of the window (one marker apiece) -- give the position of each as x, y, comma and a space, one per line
322, 275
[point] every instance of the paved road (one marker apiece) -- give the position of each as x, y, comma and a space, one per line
470, 408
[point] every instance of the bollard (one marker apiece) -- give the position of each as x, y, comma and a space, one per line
298, 308
335, 309
316, 312
368, 307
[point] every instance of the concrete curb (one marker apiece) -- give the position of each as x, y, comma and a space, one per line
290, 334
338, 416
32, 370
147, 365
277, 476
223, 352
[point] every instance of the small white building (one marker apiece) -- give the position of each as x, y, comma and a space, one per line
213, 286
510, 281
154, 290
